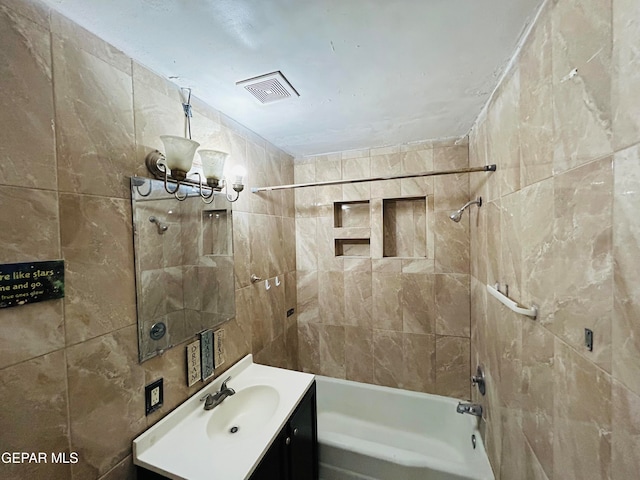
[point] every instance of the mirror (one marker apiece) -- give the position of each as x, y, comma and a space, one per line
183, 263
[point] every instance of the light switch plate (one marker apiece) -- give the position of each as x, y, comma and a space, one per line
194, 372
153, 396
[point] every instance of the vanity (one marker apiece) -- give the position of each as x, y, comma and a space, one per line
266, 430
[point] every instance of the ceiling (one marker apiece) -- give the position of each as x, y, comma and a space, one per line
369, 72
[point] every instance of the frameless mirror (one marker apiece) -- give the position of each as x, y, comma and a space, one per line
183, 263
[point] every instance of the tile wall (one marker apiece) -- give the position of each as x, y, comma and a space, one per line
77, 118
395, 310
561, 228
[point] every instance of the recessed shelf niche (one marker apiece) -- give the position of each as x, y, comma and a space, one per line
215, 232
404, 227
353, 247
351, 214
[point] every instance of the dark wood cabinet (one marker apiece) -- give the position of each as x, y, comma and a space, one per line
294, 453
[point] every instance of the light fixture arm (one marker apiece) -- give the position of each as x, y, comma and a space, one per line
154, 162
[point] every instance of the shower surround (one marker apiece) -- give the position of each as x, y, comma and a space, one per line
560, 227
364, 315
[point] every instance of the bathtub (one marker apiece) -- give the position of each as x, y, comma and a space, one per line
370, 432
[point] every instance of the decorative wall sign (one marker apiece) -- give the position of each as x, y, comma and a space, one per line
31, 282
194, 371
206, 353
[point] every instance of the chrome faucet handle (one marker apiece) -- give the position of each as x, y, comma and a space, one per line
224, 384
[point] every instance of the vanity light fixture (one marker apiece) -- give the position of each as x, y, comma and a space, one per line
173, 166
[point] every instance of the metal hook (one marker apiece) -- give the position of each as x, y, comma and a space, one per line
267, 284
278, 282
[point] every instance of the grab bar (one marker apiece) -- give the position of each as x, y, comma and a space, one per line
529, 312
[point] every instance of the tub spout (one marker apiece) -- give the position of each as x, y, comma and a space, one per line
470, 408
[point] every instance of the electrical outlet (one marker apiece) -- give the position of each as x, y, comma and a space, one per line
153, 396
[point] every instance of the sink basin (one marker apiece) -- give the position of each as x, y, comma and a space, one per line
229, 440
244, 413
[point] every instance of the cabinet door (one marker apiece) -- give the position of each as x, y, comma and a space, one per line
303, 447
273, 464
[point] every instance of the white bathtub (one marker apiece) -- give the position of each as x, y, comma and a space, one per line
370, 432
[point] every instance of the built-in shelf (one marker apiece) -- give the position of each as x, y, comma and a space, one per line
404, 227
353, 247
352, 214
215, 232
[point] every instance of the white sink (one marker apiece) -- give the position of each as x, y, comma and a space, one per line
244, 413
194, 443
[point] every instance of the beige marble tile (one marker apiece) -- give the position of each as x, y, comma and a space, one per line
325, 245
34, 415
452, 310
356, 168
358, 354
331, 297
125, 470
478, 248
358, 299
387, 301
581, 40
35, 10
387, 358
419, 362
94, 122
537, 239
418, 295
538, 392
479, 183
532, 468
171, 366
306, 244
69, 31
536, 105
451, 191
512, 463
332, 350
452, 356
384, 165
583, 231
511, 244
241, 249
266, 245
98, 259
105, 384
625, 76
625, 435
582, 429
30, 331
493, 240
308, 347
504, 134
265, 203
307, 297
35, 239
28, 96
417, 160
328, 167
451, 243
626, 256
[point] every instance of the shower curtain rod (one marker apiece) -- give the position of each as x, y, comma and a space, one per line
486, 168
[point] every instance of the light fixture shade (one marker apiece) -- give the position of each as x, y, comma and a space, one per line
213, 163
179, 152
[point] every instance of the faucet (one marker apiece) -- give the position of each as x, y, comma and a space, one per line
211, 401
470, 408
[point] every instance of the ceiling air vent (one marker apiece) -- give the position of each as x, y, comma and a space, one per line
269, 88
